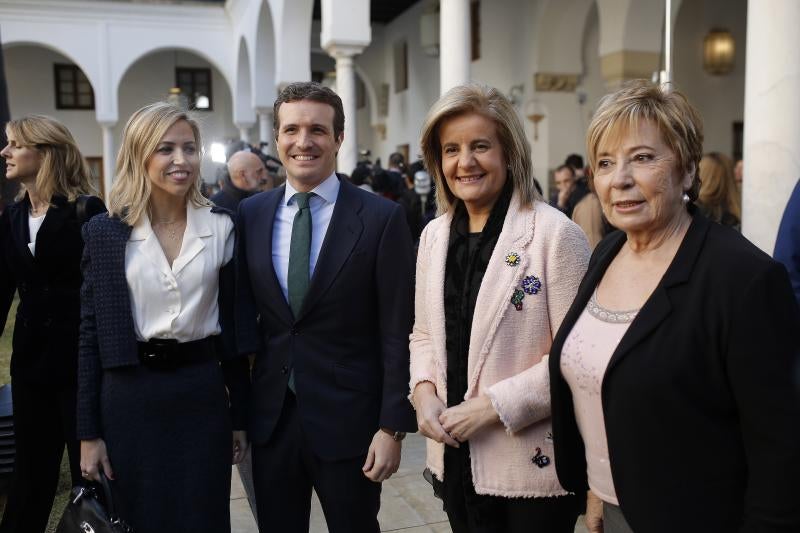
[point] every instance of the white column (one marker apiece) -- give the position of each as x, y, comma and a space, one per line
455, 47
771, 117
109, 157
244, 130
346, 89
265, 131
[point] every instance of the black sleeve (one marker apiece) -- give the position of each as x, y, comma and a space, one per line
89, 369
8, 284
248, 339
763, 360
235, 367
395, 261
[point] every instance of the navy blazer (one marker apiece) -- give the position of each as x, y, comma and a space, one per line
107, 334
701, 411
45, 342
349, 344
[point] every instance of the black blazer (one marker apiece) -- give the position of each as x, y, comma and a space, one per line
349, 346
701, 410
107, 334
45, 342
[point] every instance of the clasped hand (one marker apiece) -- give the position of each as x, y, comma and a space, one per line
455, 424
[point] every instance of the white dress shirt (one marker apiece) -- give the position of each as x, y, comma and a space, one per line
178, 302
34, 223
321, 207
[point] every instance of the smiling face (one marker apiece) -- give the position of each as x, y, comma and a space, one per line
638, 182
306, 143
473, 162
22, 162
174, 166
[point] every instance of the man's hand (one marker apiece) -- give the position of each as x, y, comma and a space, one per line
467, 418
94, 457
429, 407
239, 446
383, 457
594, 513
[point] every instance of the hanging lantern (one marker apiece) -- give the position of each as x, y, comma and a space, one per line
718, 52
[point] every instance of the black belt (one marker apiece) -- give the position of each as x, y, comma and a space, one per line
170, 354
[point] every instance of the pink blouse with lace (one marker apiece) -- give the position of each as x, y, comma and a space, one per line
584, 359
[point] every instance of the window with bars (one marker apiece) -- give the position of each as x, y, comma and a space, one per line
195, 85
73, 90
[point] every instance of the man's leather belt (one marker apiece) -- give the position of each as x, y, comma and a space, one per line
170, 354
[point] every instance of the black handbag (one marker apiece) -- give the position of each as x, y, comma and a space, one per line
91, 510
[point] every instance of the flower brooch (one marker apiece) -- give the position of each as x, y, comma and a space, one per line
530, 285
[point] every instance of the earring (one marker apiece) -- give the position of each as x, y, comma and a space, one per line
686, 198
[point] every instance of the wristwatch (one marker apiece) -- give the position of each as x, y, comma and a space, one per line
397, 436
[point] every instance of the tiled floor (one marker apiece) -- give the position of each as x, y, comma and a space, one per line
407, 502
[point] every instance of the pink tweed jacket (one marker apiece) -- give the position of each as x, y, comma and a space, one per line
508, 346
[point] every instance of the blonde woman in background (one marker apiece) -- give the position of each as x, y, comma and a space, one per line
719, 198
495, 274
40, 252
153, 412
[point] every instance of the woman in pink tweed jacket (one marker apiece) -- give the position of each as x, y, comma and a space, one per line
516, 264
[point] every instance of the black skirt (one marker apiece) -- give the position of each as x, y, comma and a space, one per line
168, 435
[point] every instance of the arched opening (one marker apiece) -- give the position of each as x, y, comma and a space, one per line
150, 78
265, 89
243, 103
719, 98
62, 91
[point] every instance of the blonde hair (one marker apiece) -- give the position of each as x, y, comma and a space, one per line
62, 170
130, 194
718, 193
677, 120
489, 102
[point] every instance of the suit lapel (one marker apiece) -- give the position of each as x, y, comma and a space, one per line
343, 233
265, 219
21, 234
48, 235
501, 280
658, 306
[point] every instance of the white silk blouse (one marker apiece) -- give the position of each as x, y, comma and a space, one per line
178, 302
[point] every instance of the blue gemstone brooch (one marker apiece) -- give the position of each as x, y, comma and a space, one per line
531, 285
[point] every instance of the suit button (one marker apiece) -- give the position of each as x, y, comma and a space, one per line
285, 369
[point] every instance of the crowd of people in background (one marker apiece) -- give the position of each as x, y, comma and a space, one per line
620, 350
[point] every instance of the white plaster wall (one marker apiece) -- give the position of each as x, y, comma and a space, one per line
720, 99
407, 109
31, 89
149, 79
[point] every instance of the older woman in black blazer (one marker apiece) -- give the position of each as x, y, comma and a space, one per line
40, 251
672, 374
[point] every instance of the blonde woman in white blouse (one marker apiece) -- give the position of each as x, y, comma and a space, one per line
153, 412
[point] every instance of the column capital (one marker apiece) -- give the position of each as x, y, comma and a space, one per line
342, 50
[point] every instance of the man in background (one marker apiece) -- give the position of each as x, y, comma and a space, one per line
246, 173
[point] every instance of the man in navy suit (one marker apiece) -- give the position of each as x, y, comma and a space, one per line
324, 300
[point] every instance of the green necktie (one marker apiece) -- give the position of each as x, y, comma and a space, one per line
299, 260
299, 253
